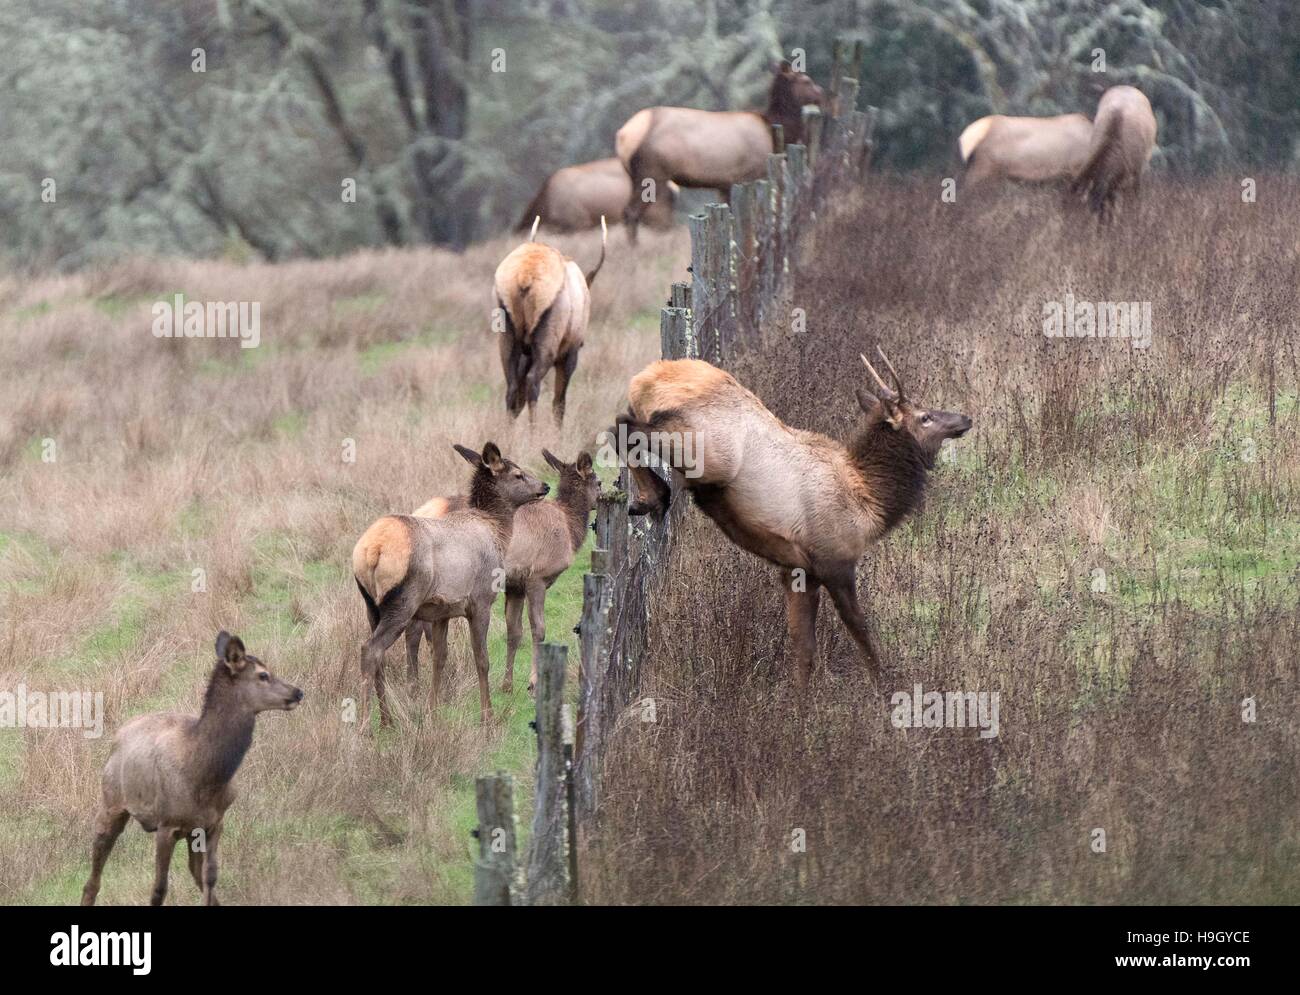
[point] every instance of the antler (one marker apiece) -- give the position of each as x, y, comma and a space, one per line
533, 234
885, 391
898, 381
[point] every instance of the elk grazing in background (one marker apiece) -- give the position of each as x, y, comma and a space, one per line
1032, 149
575, 198
439, 569
173, 773
547, 536
1123, 138
803, 501
543, 304
709, 149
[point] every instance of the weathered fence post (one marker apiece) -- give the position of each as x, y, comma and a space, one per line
679, 296
778, 180
611, 529
723, 256
568, 736
498, 831
703, 293
813, 121
778, 137
677, 338
548, 863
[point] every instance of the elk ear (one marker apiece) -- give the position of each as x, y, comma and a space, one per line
873, 406
784, 67
471, 457
584, 464
557, 464
492, 457
230, 651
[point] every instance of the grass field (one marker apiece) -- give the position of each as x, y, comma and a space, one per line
171, 456
1114, 549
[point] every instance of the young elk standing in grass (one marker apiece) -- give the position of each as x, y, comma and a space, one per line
439, 569
547, 536
543, 304
803, 501
173, 772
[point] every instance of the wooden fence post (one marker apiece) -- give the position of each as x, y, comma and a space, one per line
498, 832
778, 137
677, 338
777, 179
568, 736
548, 862
719, 348
702, 268
679, 296
611, 529
813, 121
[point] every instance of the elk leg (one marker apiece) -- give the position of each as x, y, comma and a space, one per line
164, 847
395, 614
802, 596
514, 627
108, 826
196, 861
210, 867
564, 368
414, 630
843, 591
478, 629
536, 622
437, 632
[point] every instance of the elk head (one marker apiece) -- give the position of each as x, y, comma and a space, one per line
798, 89
927, 427
515, 485
577, 478
256, 688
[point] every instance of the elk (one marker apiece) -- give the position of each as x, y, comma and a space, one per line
543, 304
803, 501
1123, 138
709, 149
172, 773
1032, 149
439, 569
575, 198
547, 536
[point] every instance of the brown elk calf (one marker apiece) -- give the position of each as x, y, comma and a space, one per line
173, 773
543, 305
546, 537
439, 569
803, 501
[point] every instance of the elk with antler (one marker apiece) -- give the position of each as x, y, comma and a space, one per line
798, 499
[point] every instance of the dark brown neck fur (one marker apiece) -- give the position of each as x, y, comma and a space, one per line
223, 733
782, 110
893, 467
486, 498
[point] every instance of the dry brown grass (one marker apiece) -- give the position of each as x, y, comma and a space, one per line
174, 455
1120, 710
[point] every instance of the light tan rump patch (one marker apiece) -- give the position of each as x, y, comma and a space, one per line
527, 283
382, 556
677, 383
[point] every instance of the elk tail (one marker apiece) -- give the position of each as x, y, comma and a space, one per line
604, 237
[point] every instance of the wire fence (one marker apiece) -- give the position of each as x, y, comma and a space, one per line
739, 289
